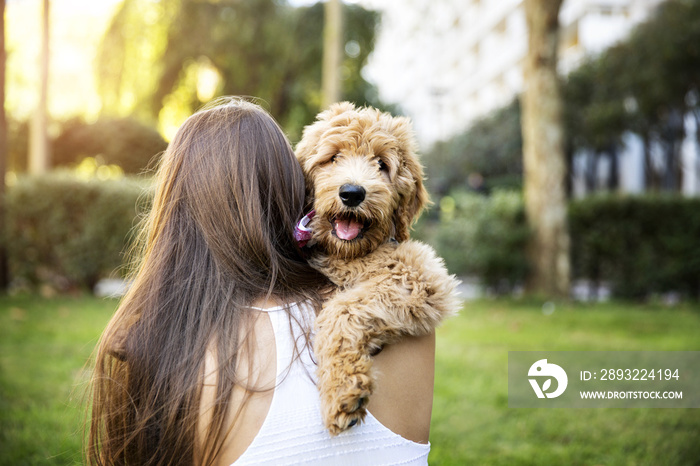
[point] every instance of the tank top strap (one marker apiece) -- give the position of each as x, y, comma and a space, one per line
292, 328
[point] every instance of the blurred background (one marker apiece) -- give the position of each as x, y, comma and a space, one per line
94, 90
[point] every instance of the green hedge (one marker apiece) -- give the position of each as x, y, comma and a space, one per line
638, 245
69, 232
484, 236
126, 142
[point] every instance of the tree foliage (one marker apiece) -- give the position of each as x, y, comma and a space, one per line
152, 53
491, 147
645, 85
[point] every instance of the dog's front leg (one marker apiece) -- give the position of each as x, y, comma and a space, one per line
410, 294
346, 337
351, 327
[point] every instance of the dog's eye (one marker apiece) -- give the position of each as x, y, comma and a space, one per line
382, 165
332, 160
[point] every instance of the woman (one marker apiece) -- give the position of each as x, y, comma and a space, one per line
207, 359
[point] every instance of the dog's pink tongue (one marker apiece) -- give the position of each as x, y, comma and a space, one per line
347, 229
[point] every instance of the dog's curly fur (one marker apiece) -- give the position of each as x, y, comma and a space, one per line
387, 285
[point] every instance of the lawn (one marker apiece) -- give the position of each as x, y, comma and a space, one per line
44, 345
472, 423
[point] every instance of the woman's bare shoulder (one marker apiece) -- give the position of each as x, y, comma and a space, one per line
403, 396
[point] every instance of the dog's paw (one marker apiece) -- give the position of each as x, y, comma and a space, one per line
343, 421
345, 405
348, 413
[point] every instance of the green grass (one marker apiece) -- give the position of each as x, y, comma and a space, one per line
44, 345
472, 423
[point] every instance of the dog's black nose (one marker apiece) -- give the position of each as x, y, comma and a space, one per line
351, 194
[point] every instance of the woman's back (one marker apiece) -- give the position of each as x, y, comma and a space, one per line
219, 235
284, 426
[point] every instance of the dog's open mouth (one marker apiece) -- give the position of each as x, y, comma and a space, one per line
349, 227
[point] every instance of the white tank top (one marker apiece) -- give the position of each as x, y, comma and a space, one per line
293, 431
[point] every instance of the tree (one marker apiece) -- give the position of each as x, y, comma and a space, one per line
332, 38
39, 141
262, 48
4, 278
543, 154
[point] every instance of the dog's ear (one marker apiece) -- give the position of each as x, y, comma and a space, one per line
303, 152
413, 197
410, 204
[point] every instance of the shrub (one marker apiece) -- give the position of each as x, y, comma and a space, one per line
639, 245
17, 145
124, 142
485, 237
67, 231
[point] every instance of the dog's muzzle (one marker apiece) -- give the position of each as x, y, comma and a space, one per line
351, 194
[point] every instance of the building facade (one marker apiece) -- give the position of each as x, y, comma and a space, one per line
449, 62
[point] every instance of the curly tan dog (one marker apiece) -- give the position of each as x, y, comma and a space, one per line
365, 184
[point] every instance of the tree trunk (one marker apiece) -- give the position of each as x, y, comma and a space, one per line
650, 177
543, 152
38, 140
332, 43
4, 276
614, 173
591, 171
696, 165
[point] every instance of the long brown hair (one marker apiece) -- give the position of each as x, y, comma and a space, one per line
218, 237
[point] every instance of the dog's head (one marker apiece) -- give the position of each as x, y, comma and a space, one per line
363, 178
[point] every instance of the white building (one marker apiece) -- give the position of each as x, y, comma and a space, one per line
448, 62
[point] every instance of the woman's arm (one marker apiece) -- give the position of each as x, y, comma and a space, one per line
403, 398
